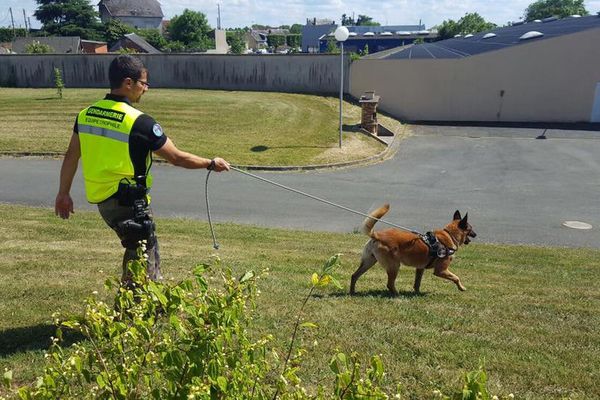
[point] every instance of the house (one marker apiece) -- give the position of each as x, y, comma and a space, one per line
316, 33
313, 31
58, 44
139, 14
379, 38
132, 41
94, 47
256, 39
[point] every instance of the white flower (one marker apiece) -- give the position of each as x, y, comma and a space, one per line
511, 396
95, 292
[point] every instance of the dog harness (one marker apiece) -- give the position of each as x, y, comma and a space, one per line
436, 248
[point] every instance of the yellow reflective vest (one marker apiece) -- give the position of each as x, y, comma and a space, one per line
104, 129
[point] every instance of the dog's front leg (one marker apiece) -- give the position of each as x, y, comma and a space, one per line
443, 272
418, 276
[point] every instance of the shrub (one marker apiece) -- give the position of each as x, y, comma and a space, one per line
35, 47
58, 82
189, 341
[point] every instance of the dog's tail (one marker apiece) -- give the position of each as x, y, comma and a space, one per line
370, 221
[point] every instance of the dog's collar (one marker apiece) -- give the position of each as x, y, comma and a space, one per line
456, 243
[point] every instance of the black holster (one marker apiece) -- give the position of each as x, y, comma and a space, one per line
141, 226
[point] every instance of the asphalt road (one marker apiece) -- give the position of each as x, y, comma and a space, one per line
516, 189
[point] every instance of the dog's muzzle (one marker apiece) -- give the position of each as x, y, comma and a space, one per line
471, 234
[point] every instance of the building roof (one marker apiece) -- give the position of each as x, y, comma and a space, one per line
386, 28
500, 38
59, 44
138, 41
133, 8
400, 35
259, 36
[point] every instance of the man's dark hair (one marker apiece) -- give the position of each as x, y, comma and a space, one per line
124, 66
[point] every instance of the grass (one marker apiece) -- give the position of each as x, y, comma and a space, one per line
246, 128
530, 314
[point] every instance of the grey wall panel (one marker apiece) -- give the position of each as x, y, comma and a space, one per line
280, 73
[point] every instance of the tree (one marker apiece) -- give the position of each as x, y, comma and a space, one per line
191, 28
294, 41
347, 21
235, 40
69, 18
258, 27
154, 37
473, 23
275, 41
114, 30
448, 29
470, 23
36, 47
332, 46
365, 20
296, 29
559, 8
7, 34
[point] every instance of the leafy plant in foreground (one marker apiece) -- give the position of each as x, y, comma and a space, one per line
190, 341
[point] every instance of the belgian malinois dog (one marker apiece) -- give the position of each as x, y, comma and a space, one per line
394, 247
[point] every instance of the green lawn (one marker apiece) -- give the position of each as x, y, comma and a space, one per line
247, 128
530, 314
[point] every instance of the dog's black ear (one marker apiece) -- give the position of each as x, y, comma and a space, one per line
463, 222
457, 215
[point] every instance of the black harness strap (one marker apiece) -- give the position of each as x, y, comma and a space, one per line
436, 248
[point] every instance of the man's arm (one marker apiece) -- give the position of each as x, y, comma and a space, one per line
187, 160
63, 206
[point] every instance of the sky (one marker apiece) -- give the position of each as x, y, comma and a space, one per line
241, 13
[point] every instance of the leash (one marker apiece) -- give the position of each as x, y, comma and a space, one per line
212, 231
216, 245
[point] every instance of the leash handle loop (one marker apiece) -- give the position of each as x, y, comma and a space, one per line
212, 231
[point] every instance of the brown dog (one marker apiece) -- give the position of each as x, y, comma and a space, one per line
393, 247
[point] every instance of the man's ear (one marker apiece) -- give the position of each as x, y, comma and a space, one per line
457, 215
463, 222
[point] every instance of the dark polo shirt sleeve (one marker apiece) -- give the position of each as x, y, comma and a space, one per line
146, 136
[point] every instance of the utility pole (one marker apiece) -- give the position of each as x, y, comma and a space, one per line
25, 19
218, 16
13, 22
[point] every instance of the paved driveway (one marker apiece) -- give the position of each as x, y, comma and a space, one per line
517, 189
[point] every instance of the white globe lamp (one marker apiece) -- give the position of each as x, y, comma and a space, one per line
341, 34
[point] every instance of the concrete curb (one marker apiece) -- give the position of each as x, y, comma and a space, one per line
389, 151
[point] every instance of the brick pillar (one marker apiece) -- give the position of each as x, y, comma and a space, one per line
368, 120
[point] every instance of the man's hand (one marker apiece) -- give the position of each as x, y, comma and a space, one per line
63, 206
220, 164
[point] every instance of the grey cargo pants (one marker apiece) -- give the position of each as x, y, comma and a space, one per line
113, 213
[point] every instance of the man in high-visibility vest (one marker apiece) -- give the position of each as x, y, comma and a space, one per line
115, 142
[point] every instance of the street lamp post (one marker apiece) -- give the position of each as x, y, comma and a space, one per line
341, 34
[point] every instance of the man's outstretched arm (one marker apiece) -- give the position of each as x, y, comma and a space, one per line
63, 206
188, 160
